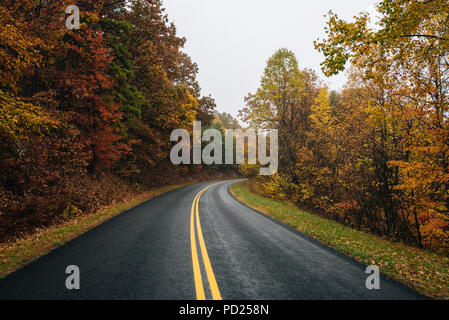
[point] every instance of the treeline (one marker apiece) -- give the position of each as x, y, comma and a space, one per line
86, 114
375, 155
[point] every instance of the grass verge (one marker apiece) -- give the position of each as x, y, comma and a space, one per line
16, 254
423, 271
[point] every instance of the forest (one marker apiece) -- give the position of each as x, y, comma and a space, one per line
374, 155
86, 114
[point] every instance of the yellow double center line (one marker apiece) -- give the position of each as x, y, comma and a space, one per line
195, 216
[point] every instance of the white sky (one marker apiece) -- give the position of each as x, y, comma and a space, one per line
231, 40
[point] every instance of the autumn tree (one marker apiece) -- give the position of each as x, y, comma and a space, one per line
406, 60
86, 115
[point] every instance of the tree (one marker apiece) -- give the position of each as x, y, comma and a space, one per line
227, 120
278, 104
406, 59
92, 107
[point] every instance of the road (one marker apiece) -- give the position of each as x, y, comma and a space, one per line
197, 242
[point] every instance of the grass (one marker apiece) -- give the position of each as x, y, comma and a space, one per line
424, 271
16, 254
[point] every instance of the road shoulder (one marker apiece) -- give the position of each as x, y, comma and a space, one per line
420, 270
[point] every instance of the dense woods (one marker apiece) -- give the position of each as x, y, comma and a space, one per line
375, 155
86, 115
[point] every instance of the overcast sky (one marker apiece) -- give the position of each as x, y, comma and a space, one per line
231, 40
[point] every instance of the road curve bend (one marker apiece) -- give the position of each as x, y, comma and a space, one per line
197, 242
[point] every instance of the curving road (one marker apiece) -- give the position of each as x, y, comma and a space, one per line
197, 242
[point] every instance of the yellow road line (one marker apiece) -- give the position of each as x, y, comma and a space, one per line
196, 269
196, 265
209, 271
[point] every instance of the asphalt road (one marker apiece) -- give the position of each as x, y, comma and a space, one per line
158, 250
